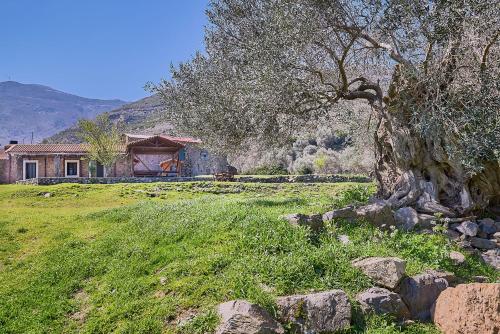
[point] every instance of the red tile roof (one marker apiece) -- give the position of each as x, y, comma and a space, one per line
52, 148
48, 148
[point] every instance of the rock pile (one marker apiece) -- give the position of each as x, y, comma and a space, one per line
407, 297
482, 236
467, 308
479, 236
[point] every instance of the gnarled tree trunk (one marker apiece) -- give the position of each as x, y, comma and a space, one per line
417, 172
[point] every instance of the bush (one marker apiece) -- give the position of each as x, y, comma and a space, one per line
277, 169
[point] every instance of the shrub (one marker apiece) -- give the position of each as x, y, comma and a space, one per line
277, 169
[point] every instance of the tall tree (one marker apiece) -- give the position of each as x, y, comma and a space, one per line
428, 69
103, 139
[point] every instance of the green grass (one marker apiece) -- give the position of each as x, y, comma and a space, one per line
140, 258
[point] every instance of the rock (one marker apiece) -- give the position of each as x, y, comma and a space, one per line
426, 221
242, 317
496, 236
420, 292
383, 301
452, 234
468, 228
384, 271
344, 239
492, 257
322, 312
483, 243
315, 221
469, 308
487, 226
347, 212
406, 218
378, 213
47, 195
449, 277
163, 280
457, 257
480, 279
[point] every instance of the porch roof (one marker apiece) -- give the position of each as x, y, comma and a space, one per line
158, 141
183, 140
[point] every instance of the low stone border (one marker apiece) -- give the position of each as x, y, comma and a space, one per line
44, 181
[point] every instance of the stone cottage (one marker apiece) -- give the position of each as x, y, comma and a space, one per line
141, 156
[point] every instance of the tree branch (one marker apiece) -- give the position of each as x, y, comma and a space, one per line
487, 51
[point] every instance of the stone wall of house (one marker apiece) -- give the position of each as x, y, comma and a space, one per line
122, 168
200, 161
4, 171
48, 166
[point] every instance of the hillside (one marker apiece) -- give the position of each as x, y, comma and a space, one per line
27, 108
143, 116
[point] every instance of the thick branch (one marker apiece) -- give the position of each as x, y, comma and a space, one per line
484, 59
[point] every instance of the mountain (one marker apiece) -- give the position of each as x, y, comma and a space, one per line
143, 116
27, 108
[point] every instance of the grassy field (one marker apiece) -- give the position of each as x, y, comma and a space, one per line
157, 258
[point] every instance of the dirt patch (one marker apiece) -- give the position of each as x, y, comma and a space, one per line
82, 299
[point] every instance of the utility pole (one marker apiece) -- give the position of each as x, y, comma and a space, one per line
32, 137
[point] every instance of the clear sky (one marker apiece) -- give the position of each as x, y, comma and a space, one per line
97, 48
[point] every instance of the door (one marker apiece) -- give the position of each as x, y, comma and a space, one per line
30, 170
99, 170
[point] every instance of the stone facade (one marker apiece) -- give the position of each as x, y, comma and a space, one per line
4, 171
51, 159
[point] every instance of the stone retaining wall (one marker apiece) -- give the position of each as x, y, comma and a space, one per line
274, 179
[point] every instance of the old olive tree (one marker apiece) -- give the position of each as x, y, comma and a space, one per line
428, 70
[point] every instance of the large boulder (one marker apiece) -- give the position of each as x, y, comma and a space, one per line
314, 221
487, 226
406, 218
384, 271
242, 317
322, 312
347, 212
378, 213
483, 243
420, 292
383, 301
492, 257
469, 308
468, 228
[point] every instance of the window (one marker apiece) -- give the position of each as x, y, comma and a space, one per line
204, 155
72, 168
30, 169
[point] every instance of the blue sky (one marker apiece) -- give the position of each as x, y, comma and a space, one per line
97, 48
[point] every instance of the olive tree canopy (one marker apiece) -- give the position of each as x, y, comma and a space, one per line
428, 70
103, 139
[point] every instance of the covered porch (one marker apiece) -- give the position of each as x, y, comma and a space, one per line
156, 156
